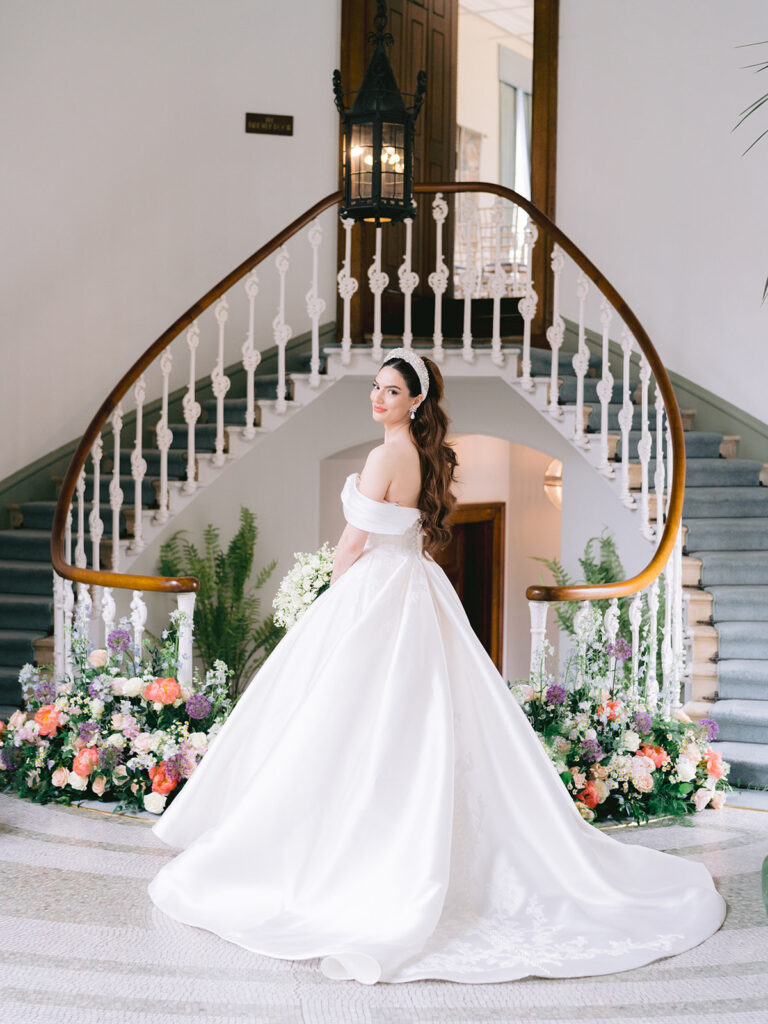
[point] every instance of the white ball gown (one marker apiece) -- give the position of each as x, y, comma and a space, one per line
378, 799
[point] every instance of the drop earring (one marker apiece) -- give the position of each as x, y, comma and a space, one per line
413, 413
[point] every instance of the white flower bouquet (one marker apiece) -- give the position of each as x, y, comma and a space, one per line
309, 577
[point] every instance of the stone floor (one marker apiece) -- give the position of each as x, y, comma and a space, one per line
81, 942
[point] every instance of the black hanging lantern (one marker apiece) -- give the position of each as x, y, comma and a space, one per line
378, 137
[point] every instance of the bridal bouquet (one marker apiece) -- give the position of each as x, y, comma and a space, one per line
309, 577
120, 728
619, 759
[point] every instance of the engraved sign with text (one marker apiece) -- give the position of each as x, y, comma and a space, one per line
269, 124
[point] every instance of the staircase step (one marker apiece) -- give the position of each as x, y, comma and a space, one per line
25, 578
541, 363
699, 605
615, 408
303, 363
718, 472
743, 639
235, 408
742, 721
739, 602
568, 390
17, 646
26, 545
742, 679
128, 487
733, 567
726, 534
38, 515
705, 642
177, 462
26, 611
748, 761
10, 690
699, 444
726, 502
205, 437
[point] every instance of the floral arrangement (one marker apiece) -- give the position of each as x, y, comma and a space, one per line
309, 577
618, 758
121, 728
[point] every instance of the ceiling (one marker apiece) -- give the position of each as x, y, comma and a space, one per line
513, 16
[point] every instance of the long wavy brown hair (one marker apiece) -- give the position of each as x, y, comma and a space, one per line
438, 459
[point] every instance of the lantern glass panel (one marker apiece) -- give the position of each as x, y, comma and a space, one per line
392, 161
361, 161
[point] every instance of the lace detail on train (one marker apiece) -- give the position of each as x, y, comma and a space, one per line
378, 799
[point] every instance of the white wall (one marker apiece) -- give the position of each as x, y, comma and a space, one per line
651, 183
128, 185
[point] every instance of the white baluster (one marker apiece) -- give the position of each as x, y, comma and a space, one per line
539, 611
108, 612
438, 279
611, 627
497, 285
581, 364
468, 279
678, 649
582, 628
625, 418
138, 466
281, 332
164, 437
670, 467
83, 593
138, 619
186, 604
605, 390
377, 281
69, 597
58, 627
315, 304
408, 281
555, 333
115, 490
220, 382
251, 356
644, 449
635, 621
666, 643
527, 306
651, 681
95, 524
347, 288
658, 476
191, 410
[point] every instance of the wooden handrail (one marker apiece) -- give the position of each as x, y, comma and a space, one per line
646, 576
129, 581
585, 592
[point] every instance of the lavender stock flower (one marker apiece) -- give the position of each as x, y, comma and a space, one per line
591, 750
198, 706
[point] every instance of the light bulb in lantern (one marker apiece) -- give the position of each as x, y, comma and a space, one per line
368, 160
356, 151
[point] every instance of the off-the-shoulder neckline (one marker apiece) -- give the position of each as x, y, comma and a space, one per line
408, 508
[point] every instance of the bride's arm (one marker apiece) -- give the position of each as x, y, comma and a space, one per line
374, 483
348, 550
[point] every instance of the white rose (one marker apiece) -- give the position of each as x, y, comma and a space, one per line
118, 686
158, 738
133, 687
97, 706
686, 770
154, 802
590, 734
77, 781
198, 741
116, 739
631, 740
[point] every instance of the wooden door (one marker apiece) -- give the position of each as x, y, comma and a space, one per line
425, 37
474, 563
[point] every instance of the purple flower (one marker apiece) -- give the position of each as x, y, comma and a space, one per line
619, 649
119, 640
642, 721
591, 750
555, 694
88, 731
173, 767
198, 706
7, 760
100, 688
712, 728
45, 692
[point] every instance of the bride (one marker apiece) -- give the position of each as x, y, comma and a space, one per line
378, 798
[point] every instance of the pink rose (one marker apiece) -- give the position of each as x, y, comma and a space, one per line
701, 798
643, 783
98, 785
718, 799
17, 719
85, 761
142, 743
60, 777
97, 659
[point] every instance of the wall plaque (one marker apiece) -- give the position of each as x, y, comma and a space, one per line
269, 124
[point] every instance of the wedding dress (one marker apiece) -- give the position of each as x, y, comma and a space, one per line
378, 799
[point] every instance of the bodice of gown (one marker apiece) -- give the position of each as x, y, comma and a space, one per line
388, 525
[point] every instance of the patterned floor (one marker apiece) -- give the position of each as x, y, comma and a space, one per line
81, 942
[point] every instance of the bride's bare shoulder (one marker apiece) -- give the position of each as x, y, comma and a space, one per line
377, 473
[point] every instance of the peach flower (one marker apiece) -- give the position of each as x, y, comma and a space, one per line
714, 764
642, 765
658, 755
161, 783
718, 799
2, 727
60, 777
701, 798
85, 761
589, 795
17, 719
47, 717
98, 785
97, 659
579, 779
162, 691
142, 743
643, 783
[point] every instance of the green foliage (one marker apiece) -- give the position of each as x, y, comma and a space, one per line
226, 622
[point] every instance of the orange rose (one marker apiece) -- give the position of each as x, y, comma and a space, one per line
658, 755
163, 691
613, 706
161, 783
85, 761
714, 764
589, 795
2, 727
48, 719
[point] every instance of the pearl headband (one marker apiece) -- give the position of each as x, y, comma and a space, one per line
418, 364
